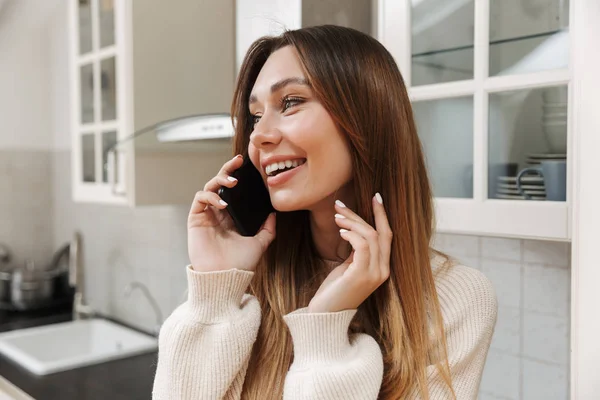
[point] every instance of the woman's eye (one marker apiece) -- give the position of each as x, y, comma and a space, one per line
289, 102
255, 119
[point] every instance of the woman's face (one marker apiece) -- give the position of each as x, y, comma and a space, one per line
295, 144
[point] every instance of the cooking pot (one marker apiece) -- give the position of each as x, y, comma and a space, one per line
31, 288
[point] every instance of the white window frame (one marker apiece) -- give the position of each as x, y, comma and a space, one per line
97, 191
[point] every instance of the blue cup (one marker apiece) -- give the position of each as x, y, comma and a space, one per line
554, 173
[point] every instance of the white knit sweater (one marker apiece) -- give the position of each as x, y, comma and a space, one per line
205, 344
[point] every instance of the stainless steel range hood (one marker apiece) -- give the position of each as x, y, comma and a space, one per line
188, 128
195, 127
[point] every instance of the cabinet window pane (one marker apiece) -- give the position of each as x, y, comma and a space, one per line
85, 26
109, 89
442, 42
528, 129
355, 14
107, 23
109, 139
527, 36
87, 93
445, 128
88, 157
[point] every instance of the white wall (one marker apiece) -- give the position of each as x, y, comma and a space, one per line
25, 75
58, 59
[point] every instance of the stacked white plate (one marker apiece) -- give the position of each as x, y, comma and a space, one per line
506, 187
533, 158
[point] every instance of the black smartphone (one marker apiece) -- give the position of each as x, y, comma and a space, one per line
248, 202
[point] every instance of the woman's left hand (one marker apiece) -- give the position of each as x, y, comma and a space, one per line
368, 266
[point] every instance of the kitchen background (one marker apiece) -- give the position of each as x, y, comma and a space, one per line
529, 356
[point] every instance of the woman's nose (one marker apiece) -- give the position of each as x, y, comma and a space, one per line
265, 133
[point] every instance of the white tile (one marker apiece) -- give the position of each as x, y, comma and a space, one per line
506, 279
501, 375
501, 249
459, 245
546, 290
490, 396
547, 252
546, 338
473, 262
507, 335
544, 381
437, 239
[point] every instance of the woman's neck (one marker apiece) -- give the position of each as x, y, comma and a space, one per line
325, 232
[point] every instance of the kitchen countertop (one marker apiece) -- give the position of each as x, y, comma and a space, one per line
125, 379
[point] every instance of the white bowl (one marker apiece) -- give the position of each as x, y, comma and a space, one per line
561, 123
554, 120
555, 106
556, 137
556, 94
555, 115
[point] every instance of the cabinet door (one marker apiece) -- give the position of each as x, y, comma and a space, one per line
95, 128
270, 17
489, 82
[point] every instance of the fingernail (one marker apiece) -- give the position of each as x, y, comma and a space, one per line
378, 197
238, 156
231, 179
339, 216
222, 202
339, 203
343, 230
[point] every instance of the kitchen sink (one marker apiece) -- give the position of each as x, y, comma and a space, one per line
68, 345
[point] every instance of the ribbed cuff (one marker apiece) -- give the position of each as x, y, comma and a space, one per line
215, 296
319, 338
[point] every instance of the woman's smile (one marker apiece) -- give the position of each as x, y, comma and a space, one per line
284, 177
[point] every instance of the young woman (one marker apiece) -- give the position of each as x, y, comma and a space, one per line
339, 295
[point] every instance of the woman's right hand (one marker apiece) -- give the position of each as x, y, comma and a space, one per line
213, 241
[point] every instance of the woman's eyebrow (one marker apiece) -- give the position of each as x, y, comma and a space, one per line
281, 84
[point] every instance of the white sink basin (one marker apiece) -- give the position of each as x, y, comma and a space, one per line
67, 345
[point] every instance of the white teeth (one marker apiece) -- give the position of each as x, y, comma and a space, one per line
269, 169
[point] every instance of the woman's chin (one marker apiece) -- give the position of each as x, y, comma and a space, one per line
286, 204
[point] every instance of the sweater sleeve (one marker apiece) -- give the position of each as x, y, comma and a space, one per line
328, 363
205, 344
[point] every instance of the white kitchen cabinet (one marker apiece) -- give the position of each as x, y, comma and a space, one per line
136, 63
490, 82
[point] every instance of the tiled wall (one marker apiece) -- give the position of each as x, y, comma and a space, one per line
529, 354
121, 245
26, 216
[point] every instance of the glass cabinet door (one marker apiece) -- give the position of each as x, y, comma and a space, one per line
106, 25
441, 42
527, 127
445, 128
527, 146
96, 59
506, 104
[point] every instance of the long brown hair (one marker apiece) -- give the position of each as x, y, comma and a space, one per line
359, 84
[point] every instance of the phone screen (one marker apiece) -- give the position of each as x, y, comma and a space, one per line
249, 203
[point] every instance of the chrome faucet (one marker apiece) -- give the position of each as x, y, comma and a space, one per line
80, 309
139, 285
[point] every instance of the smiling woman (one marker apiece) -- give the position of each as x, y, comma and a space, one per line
339, 295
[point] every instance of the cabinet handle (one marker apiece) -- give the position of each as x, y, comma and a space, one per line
112, 172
